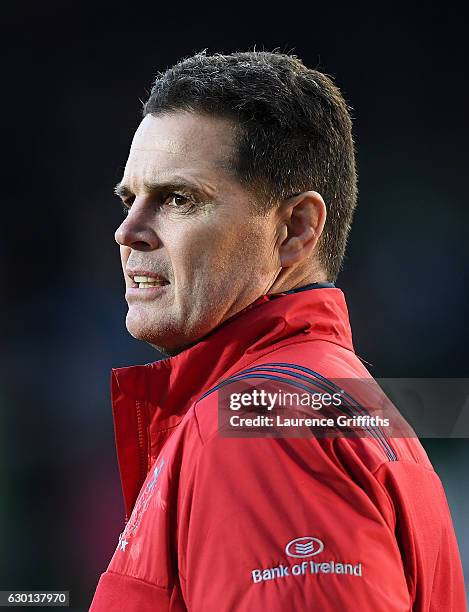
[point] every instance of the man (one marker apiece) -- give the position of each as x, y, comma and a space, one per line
239, 192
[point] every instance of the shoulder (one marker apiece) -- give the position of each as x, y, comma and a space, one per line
321, 366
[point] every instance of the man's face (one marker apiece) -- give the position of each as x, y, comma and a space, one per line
191, 223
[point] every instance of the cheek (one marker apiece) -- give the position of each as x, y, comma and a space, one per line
194, 248
214, 249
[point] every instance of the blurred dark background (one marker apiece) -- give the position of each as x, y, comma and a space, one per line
73, 77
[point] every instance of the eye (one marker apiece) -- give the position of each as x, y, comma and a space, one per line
171, 199
176, 199
183, 203
126, 204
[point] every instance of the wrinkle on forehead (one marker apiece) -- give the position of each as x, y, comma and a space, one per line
182, 143
183, 132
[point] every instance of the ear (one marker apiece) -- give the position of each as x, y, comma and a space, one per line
302, 219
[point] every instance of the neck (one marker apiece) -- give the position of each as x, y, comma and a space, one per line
289, 279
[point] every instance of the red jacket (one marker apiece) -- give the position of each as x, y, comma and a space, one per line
266, 524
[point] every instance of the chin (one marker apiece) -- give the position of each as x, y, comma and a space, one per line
163, 341
143, 332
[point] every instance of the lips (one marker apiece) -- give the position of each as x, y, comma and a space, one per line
145, 279
144, 282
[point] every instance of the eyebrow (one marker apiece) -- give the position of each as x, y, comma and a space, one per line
176, 184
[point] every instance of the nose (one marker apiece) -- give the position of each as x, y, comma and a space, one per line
138, 231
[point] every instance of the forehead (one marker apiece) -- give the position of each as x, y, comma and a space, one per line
180, 143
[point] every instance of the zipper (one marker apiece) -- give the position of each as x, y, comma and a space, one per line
141, 447
141, 440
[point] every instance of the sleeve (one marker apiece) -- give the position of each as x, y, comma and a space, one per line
276, 524
426, 537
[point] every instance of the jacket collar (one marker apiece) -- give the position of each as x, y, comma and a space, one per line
149, 400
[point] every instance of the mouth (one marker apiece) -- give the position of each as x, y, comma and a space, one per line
146, 281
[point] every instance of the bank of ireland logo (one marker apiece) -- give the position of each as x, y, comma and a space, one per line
302, 548
307, 546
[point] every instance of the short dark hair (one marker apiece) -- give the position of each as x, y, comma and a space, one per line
295, 130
